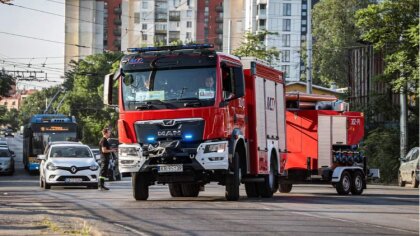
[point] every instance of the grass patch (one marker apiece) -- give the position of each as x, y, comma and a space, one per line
84, 231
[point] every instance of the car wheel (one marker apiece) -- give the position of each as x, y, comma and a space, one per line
175, 190
344, 185
357, 183
190, 190
233, 180
140, 184
41, 183
414, 182
285, 188
46, 185
401, 183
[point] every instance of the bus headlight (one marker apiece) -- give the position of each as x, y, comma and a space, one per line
51, 166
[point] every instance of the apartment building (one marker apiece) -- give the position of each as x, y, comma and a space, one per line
91, 26
158, 22
210, 23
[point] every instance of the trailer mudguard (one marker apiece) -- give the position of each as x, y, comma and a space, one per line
336, 176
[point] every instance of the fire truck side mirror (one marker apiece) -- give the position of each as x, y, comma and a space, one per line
108, 82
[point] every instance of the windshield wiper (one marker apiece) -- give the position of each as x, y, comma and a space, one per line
147, 104
192, 101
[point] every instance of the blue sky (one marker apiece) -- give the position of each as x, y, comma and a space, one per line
35, 24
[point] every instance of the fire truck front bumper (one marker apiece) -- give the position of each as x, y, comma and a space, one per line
208, 156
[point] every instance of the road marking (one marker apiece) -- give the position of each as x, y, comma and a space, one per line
131, 229
353, 221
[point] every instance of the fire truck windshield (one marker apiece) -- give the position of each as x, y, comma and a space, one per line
169, 88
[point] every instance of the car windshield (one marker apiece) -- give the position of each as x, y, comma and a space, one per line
70, 152
172, 88
4, 153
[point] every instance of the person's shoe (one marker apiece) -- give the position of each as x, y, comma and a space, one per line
102, 185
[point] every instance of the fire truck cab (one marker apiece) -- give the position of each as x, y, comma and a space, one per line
189, 116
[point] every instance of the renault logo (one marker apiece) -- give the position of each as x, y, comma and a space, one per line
73, 169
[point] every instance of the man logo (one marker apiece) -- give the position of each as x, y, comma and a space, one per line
73, 169
168, 122
169, 133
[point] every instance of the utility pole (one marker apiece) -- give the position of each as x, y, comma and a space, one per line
403, 115
309, 49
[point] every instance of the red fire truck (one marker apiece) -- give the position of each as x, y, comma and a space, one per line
189, 116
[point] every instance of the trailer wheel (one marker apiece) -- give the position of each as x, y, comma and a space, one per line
401, 183
344, 185
140, 186
357, 183
285, 188
190, 190
251, 190
233, 180
175, 190
414, 182
268, 187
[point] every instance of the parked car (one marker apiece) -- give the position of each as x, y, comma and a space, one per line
9, 133
68, 164
4, 144
7, 161
409, 169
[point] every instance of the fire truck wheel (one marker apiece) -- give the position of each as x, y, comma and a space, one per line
268, 187
175, 190
233, 180
285, 188
401, 183
251, 190
344, 185
357, 183
414, 182
140, 186
190, 190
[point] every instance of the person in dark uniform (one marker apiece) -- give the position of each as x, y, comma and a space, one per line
105, 151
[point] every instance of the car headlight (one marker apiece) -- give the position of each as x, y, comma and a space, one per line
94, 167
219, 147
51, 166
128, 151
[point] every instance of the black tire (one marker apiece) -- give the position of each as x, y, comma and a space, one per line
414, 182
175, 190
401, 183
251, 190
344, 185
285, 188
190, 190
233, 180
41, 182
140, 186
46, 185
357, 183
269, 186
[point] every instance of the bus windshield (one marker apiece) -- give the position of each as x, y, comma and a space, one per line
171, 88
41, 140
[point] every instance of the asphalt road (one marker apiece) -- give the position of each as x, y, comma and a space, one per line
307, 210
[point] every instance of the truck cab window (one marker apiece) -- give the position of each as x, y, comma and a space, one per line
228, 82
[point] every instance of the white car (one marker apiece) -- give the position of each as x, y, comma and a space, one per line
409, 169
68, 164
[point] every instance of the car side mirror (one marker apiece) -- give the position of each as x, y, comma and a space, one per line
41, 157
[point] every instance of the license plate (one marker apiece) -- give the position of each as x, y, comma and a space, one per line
170, 168
73, 180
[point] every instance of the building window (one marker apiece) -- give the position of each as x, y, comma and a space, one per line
136, 17
144, 37
189, 24
145, 5
188, 35
144, 26
176, 2
303, 28
262, 23
287, 9
303, 37
285, 56
304, 6
188, 2
286, 70
303, 22
303, 13
285, 39
286, 24
189, 13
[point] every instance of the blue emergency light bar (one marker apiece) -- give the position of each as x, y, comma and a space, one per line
171, 48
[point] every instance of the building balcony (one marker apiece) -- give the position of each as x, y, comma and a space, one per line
117, 21
117, 32
117, 11
261, 2
174, 18
219, 8
161, 31
219, 19
262, 14
219, 31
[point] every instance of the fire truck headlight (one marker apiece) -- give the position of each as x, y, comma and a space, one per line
219, 148
128, 151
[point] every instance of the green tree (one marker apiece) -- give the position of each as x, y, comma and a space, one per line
335, 34
253, 45
6, 82
393, 28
